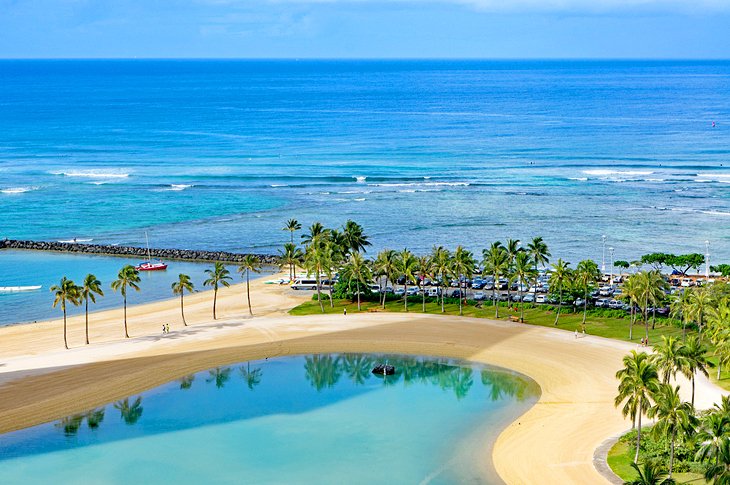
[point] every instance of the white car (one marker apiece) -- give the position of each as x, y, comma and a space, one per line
479, 296
542, 298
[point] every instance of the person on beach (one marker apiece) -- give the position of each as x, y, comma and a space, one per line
344, 311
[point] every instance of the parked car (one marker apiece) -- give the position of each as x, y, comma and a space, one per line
456, 294
433, 291
479, 296
529, 298
615, 304
541, 298
412, 290
516, 297
579, 302
387, 289
601, 303
400, 291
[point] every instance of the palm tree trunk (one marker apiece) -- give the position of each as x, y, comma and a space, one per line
653, 317
719, 368
332, 301
385, 293
182, 308
443, 295
424, 299
693, 390
126, 332
65, 340
495, 300
522, 314
461, 299
646, 318
638, 439
215, 297
248, 294
671, 453
585, 307
405, 295
358, 296
632, 316
87, 320
560, 305
319, 293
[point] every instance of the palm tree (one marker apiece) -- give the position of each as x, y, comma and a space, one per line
719, 472
680, 310
425, 268
441, 259
250, 263
463, 264
316, 231
292, 225
219, 375
538, 251
314, 262
218, 276
407, 265
128, 277
386, 265
700, 301
669, 358
713, 428
650, 474
638, 382
524, 272
719, 321
674, 417
89, 289
357, 271
586, 273
512, 248
695, 356
353, 238
178, 288
559, 279
291, 256
631, 290
66, 292
496, 264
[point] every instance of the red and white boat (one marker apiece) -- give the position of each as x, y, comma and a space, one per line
150, 265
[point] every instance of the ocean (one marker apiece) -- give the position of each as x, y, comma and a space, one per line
218, 154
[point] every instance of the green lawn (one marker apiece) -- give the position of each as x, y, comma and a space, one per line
620, 458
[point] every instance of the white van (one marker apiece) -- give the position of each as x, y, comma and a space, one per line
541, 298
304, 284
374, 287
433, 291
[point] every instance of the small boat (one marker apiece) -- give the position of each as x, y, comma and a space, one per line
7, 289
384, 370
150, 265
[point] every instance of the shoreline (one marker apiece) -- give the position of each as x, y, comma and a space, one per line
40, 382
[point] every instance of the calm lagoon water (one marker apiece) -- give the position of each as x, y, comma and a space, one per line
30, 268
308, 419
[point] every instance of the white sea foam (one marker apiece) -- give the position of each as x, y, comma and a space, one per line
712, 175
616, 173
424, 184
17, 190
360, 200
94, 174
360, 179
579, 179
70, 241
179, 187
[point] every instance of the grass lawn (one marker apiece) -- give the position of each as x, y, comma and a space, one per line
620, 458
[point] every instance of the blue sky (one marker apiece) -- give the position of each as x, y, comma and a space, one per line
366, 28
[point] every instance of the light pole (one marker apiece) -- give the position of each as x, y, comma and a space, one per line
610, 250
707, 259
603, 259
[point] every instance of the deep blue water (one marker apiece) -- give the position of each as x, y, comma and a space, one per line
312, 419
219, 154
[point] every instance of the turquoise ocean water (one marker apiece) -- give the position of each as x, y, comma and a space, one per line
313, 419
219, 154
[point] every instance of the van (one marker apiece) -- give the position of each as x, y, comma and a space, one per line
687, 282
542, 298
304, 284
374, 287
433, 291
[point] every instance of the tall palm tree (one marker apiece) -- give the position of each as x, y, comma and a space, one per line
651, 288
290, 256
354, 239
696, 361
674, 417
496, 264
713, 429
680, 310
463, 268
512, 248
669, 358
586, 273
179, 287
66, 292
292, 225
315, 259
649, 474
332, 257
386, 265
425, 269
316, 231
631, 290
700, 301
88, 291
407, 265
638, 382
357, 272
719, 323
538, 251
441, 258
559, 279
128, 277
524, 272
218, 276
249, 264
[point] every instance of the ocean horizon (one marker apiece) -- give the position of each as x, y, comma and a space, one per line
218, 154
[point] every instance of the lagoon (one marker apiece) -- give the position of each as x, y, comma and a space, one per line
306, 419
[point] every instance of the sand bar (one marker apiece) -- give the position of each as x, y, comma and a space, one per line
553, 442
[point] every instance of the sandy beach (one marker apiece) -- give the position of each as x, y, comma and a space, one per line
553, 442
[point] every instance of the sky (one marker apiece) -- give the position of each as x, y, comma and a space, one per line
489, 29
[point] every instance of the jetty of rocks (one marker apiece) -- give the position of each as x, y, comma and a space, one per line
109, 250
